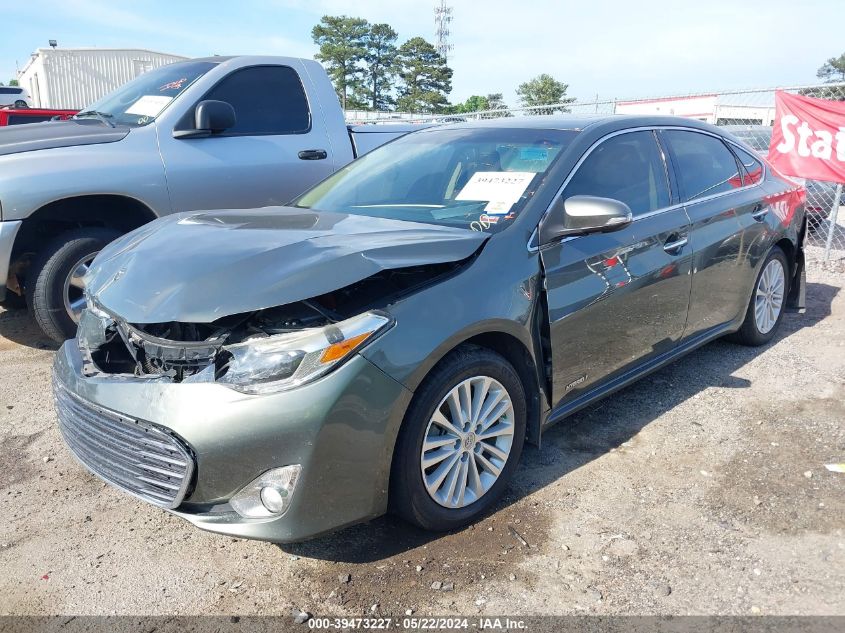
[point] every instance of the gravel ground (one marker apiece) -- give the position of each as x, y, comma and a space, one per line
701, 490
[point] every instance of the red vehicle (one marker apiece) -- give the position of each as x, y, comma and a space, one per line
16, 116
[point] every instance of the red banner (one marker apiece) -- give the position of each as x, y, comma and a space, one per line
808, 138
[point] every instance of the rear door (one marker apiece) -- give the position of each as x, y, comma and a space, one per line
725, 209
617, 300
278, 147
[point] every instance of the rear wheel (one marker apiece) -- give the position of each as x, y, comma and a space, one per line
55, 281
460, 442
765, 311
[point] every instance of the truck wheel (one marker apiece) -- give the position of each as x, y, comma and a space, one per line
460, 442
54, 287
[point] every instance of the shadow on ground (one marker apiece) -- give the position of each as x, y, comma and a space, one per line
17, 326
582, 437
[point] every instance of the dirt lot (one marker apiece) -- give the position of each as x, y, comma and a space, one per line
700, 490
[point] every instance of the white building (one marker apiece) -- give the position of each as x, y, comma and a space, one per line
707, 108
76, 77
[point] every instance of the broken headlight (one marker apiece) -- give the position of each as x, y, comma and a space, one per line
283, 361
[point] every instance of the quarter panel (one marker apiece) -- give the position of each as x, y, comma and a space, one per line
497, 292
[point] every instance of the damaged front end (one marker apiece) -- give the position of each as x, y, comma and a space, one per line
258, 352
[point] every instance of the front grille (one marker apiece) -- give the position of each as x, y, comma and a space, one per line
136, 456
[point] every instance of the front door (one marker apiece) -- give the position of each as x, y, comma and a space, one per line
272, 154
616, 300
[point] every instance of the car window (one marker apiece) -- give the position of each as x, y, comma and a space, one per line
752, 167
629, 168
266, 99
705, 165
10, 91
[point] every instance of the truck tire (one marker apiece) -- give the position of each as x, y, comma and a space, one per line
48, 284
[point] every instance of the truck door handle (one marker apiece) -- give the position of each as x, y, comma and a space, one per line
760, 212
313, 154
674, 247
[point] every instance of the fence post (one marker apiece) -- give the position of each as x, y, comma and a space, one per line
834, 212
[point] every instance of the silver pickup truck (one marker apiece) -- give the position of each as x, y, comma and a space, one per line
213, 133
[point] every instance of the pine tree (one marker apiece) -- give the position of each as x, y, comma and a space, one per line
425, 79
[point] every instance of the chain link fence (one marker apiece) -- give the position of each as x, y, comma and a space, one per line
747, 114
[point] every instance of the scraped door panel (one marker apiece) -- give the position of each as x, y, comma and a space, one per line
615, 300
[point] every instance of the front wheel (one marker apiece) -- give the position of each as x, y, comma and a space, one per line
460, 442
55, 281
765, 311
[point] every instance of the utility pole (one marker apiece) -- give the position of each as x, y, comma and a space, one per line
442, 19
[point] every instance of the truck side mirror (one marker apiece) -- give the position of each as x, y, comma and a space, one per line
210, 117
579, 215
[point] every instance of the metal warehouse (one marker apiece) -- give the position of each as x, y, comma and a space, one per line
76, 77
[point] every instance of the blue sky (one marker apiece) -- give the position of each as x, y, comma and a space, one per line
613, 48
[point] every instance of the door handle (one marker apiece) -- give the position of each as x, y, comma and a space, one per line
313, 154
675, 246
760, 212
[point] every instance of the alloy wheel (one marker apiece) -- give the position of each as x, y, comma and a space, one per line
768, 298
467, 442
74, 287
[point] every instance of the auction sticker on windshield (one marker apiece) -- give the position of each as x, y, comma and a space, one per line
500, 188
149, 105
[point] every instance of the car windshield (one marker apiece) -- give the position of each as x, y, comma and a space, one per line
141, 100
478, 179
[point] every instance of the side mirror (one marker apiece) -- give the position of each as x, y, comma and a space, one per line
210, 117
580, 215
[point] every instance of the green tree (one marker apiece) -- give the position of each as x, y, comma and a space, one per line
380, 58
475, 103
496, 101
424, 78
544, 90
833, 69
13, 82
341, 42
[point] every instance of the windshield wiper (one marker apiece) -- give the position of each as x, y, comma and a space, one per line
103, 116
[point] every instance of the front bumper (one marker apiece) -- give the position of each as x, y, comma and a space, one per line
8, 231
340, 428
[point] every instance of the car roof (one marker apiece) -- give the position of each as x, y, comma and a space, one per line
603, 122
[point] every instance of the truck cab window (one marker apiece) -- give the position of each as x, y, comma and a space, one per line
266, 99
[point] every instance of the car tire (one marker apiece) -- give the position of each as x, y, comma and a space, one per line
760, 325
51, 268
20, 103
473, 367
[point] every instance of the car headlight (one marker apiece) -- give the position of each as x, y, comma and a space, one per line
283, 361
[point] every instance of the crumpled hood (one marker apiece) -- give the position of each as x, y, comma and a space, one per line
30, 137
201, 266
